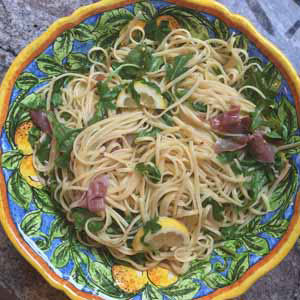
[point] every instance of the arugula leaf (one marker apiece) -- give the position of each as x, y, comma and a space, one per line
152, 85
152, 132
138, 61
288, 116
156, 63
107, 95
179, 93
155, 32
126, 71
201, 107
81, 216
273, 135
267, 81
62, 161
56, 99
149, 170
95, 226
228, 157
217, 209
34, 135
65, 138
178, 66
140, 56
168, 116
139, 258
135, 95
152, 226
43, 151
169, 97
237, 170
256, 116
106, 101
258, 180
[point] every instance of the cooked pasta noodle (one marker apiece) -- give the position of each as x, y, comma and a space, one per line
184, 152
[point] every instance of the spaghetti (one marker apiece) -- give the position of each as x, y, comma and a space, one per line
146, 124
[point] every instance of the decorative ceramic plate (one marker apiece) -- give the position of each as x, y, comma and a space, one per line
37, 226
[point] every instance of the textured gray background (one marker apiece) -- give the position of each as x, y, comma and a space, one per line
23, 20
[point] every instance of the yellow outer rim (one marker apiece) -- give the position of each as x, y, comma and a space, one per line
36, 47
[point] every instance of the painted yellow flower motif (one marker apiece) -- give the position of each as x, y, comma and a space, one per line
161, 277
29, 173
21, 138
129, 279
132, 281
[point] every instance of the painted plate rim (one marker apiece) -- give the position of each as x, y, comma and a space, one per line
40, 44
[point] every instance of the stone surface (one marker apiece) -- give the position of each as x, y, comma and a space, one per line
23, 20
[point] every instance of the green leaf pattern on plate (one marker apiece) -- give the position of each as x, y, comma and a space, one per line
240, 243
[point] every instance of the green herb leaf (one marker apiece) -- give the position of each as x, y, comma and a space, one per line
257, 120
217, 209
152, 85
139, 258
168, 118
258, 181
65, 138
106, 102
288, 116
151, 133
56, 99
228, 157
156, 63
107, 95
140, 56
81, 216
178, 67
34, 135
95, 226
142, 59
152, 226
149, 170
201, 107
135, 95
273, 135
43, 150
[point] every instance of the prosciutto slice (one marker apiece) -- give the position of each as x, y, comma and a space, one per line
94, 198
40, 119
231, 122
231, 144
260, 149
